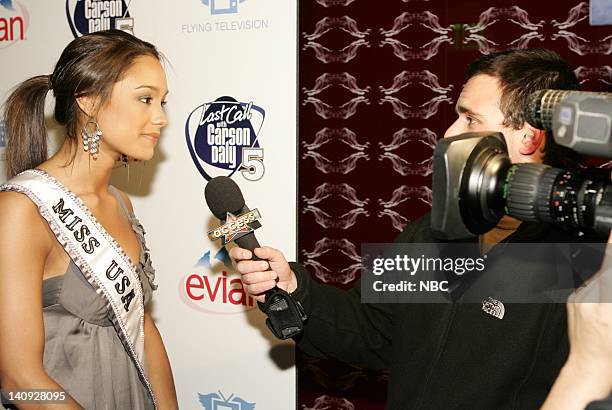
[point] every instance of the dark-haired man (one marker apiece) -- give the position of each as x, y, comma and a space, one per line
449, 356
494, 98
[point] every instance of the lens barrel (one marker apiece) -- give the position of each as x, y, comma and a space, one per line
539, 193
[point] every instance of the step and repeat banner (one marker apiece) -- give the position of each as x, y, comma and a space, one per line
231, 67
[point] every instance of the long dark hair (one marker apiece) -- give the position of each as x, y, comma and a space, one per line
89, 66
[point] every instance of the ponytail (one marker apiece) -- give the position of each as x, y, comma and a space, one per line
24, 114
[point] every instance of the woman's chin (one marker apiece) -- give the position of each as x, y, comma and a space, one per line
144, 155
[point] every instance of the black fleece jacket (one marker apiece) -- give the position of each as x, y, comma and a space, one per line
443, 356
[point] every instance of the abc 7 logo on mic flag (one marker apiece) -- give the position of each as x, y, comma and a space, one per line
222, 138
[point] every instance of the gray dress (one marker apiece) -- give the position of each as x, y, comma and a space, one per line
82, 350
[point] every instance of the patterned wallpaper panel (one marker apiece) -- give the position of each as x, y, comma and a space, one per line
378, 83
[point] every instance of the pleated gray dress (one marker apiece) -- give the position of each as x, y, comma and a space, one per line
82, 350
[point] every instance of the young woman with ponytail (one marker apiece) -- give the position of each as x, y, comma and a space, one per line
75, 273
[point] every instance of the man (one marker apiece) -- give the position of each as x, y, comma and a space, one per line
449, 356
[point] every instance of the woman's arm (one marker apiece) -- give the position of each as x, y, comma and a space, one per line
24, 247
160, 373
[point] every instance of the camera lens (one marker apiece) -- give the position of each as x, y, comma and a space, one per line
540, 193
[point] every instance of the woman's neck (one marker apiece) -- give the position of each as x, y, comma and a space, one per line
80, 172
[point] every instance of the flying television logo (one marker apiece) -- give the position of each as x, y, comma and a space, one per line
218, 401
89, 16
222, 6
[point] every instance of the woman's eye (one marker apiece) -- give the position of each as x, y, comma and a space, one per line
163, 103
146, 100
470, 120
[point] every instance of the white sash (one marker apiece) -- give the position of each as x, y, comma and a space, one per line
103, 263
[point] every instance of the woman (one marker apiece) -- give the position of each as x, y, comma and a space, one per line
67, 235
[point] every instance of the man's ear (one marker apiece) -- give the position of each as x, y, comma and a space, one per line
533, 140
87, 105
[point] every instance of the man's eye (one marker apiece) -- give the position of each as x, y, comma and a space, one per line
470, 120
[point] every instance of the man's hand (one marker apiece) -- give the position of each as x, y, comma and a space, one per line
590, 334
589, 318
587, 374
263, 275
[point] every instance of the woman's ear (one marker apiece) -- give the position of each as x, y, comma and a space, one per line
87, 105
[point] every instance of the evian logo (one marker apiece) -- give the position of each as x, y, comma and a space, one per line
14, 22
89, 16
216, 289
222, 138
223, 6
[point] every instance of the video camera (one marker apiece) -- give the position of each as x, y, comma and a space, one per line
475, 184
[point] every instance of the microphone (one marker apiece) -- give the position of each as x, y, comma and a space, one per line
223, 196
225, 200
579, 120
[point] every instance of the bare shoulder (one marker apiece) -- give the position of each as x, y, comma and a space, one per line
20, 220
16, 208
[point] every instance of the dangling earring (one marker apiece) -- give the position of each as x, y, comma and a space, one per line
91, 140
125, 160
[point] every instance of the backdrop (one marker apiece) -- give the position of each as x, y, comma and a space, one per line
231, 69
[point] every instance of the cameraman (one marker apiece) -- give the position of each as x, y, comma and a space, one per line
450, 355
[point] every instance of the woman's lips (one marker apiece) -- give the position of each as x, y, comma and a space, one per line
151, 137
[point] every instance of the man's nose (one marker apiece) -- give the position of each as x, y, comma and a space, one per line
454, 129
